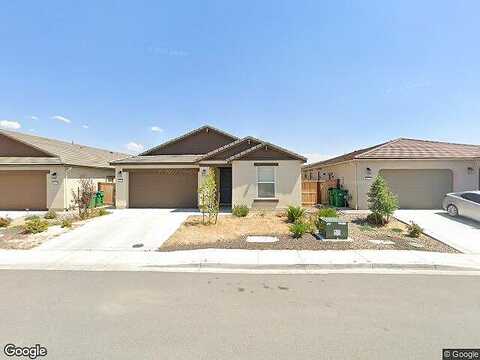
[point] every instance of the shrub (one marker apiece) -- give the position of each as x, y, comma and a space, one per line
327, 212
298, 229
66, 223
208, 197
414, 230
5, 221
240, 210
32, 217
83, 196
381, 202
50, 215
35, 226
295, 213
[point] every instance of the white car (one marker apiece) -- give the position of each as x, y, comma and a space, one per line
465, 203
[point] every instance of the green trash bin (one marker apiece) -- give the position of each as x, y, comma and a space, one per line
99, 198
340, 198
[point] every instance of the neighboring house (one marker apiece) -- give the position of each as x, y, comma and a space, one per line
420, 172
249, 172
37, 173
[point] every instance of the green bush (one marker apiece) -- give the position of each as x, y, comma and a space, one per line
295, 213
32, 217
5, 221
414, 230
35, 226
298, 229
381, 202
50, 215
102, 212
240, 210
327, 212
66, 223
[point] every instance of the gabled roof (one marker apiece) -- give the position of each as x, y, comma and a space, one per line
249, 140
65, 152
158, 159
266, 145
228, 148
187, 135
404, 148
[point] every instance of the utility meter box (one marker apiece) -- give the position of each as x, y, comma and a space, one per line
333, 228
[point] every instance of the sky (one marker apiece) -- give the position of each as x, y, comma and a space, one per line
320, 78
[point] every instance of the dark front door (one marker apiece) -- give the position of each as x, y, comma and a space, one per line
226, 186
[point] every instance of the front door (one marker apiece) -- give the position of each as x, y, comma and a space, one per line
226, 186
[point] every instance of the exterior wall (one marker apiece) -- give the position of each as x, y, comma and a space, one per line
122, 183
462, 180
11, 147
55, 183
73, 176
345, 172
287, 179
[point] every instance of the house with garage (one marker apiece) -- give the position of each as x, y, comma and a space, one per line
249, 172
419, 172
38, 173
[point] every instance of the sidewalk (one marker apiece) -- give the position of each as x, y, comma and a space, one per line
239, 259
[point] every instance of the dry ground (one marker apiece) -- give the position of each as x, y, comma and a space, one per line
231, 232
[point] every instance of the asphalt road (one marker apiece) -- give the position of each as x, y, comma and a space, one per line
138, 315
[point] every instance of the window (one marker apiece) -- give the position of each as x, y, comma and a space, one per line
472, 197
266, 181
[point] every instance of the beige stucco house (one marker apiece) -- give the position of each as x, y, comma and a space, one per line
420, 172
249, 172
37, 173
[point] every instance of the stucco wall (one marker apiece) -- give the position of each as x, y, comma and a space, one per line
74, 174
287, 178
462, 180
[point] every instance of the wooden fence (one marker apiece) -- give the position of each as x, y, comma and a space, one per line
109, 191
316, 192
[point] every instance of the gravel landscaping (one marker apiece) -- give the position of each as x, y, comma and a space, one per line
231, 232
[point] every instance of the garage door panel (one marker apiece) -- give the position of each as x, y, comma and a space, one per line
419, 188
163, 188
20, 190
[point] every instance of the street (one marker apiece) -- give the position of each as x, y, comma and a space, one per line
155, 315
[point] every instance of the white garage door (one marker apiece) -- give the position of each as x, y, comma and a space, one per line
419, 188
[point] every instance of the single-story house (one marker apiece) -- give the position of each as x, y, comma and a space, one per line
419, 172
37, 173
249, 172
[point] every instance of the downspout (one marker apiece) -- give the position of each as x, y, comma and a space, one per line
356, 186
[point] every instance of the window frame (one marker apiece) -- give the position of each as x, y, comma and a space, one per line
267, 182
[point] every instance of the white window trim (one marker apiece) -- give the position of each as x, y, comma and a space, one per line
268, 182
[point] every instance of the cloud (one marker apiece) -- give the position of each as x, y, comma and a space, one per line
32, 117
7, 124
134, 147
62, 118
156, 129
85, 126
316, 157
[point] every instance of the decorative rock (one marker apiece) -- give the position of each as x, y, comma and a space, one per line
382, 242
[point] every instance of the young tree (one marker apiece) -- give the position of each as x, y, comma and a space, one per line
83, 196
208, 197
382, 202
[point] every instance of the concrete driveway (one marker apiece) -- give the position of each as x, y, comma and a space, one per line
460, 233
122, 230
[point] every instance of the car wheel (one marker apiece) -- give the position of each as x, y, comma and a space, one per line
452, 210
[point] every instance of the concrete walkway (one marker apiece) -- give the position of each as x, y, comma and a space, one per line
246, 259
121, 231
460, 233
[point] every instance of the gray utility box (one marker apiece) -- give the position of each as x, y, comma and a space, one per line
333, 228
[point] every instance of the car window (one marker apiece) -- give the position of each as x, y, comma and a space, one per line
472, 197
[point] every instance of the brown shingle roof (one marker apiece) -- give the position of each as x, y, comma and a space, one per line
68, 153
408, 149
159, 159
